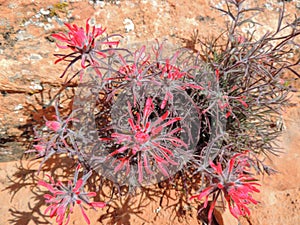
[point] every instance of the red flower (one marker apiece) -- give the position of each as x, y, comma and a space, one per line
83, 44
172, 79
59, 124
235, 183
135, 69
217, 74
63, 198
132, 72
171, 72
53, 125
153, 142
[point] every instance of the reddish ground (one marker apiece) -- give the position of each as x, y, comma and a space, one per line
28, 79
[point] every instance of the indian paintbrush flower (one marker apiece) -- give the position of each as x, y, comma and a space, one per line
234, 182
63, 197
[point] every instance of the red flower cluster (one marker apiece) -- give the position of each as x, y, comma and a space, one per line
83, 44
64, 197
148, 141
235, 183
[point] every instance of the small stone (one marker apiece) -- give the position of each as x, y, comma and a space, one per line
38, 15
48, 26
39, 24
59, 21
100, 4
36, 86
23, 72
69, 15
280, 3
268, 6
23, 35
34, 56
157, 210
44, 12
129, 26
290, 55
18, 107
28, 22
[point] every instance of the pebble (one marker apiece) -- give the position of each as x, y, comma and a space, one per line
44, 12
290, 55
26, 23
34, 56
18, 107
129, 26
48, 26
59, 21
100, 4
268, 6
24, 73
38, 15
36, 86
22, 35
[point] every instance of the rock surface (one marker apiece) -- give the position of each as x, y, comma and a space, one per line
29, 79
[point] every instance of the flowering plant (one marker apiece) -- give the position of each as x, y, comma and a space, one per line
234, 182
83, 44
145, 140
63, 197
199, 119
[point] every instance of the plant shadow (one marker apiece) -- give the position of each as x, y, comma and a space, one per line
143, 204
148, 204
22, 186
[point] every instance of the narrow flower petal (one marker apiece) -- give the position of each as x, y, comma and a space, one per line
85, 216
53, 125
217, 168
203, 193
211, 209
98, 204
45, 184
